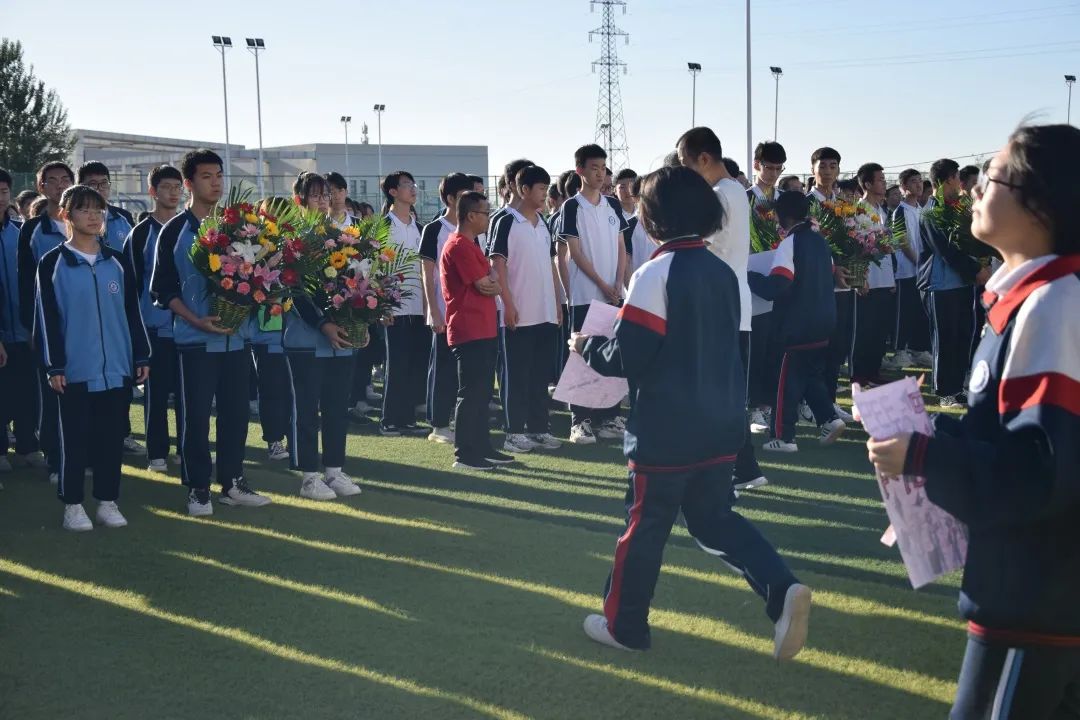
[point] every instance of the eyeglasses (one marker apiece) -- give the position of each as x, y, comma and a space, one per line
406, 186
57, 180
485, 213
773, 167
170, 187
99, 185
984, 184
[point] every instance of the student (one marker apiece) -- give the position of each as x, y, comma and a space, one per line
912, 334
555, 200
93, 345
166, 187
118, 221
22, 203
469, 290
319, 365
874, 304
442, 369
593, 227
688, 419
825, 163
44, 231
969, 175
893, 196
365, 210
947, 278
339, 194
478, 184
700, 150
624, 182
927, 198
640, 246
18, 385
608, 188
1007, 469
800, 285
408, 339
214, 362
522, 254
792, 183
769, 159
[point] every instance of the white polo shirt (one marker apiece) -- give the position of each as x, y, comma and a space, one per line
905, 267
407, 237
528, 251
598, 227
880, 276
642, 246
732, 242
432, 240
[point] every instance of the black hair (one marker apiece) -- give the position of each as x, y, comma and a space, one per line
553, 191
672, 159
786, 180
191, 161
164, 172
732, 167
512, 169
850, 185
336, 180
1041, 160
143, 214
93, 167
532, 175
298, 183
824, 153
362, 206
564, 178
943, 170
573, 185
866, 174
771, 152
635, 187
26, 196
608, 172
39, 207
791, 207
906, 175
453, 184
5, 177
391, 182
308, 184
468, 202
476, 179
967, 172
926, 185
891, 188
54, 165
80, 196
625, 174
701, 140
585, 153
677, 202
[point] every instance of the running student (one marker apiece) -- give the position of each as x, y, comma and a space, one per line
1008, 468
93, 345
688, 419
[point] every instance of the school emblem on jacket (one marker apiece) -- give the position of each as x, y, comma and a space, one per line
611, 220
980, 377
114, 287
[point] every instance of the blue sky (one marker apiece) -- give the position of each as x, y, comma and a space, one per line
889, 82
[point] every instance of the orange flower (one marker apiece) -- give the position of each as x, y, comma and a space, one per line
259, 296
226, 283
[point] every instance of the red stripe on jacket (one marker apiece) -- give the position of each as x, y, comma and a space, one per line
1058, 389
1002, 311
1018, 638
644, 318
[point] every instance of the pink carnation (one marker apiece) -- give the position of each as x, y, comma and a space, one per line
372, 301
338, 301
243, 288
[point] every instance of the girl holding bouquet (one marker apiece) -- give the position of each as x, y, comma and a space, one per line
319, 363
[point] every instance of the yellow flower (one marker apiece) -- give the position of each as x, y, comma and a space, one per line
352, 230
330, 272
320, 230
338, 260
287, 305
875, 218
252, 218
350, 251
215, 263
390, 253
272, 247
271, 229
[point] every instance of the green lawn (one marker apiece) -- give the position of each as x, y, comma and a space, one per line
440, 594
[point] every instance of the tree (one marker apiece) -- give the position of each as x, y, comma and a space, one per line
33, 123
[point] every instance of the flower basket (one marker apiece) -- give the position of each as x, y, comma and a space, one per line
857, 270
232, 314
356, 328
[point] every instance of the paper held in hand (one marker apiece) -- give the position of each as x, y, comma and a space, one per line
579, 383
932, 542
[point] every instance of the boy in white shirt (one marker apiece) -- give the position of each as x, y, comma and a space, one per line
912, 334
874, 302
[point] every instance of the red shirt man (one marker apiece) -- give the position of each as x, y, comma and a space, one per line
470, 315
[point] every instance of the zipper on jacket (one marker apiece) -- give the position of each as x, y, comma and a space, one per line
101, 326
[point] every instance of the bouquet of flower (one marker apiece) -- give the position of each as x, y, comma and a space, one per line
856, 235
238, 252
765, 231
953, 218
359, 275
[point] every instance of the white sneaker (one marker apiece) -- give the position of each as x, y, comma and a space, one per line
5, 464
76, 520
843, 414
806, 415
794, 623
34, 460
609, 430
198, 503
494, 407
922, 360
442, 435
313, 488
582, 434
832, 430
518, 443
903, 359
241, 494
174, 459
132, 446
758, 424
596, 628
341, 484
755, 483
546, 441
54, 478
277, 450
158, 466
949, 402
778, 445
109, 515
138, 392
370, 393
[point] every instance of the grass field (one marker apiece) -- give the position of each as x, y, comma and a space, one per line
441, 594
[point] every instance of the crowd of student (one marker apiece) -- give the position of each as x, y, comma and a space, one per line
93, 304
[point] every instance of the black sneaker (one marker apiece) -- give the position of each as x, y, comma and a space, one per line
473, 465
389, 430
412, 429
497, 458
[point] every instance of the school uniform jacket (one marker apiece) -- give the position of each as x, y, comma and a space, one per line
942, 266
303, 330
118, 223
1008, 469
11, 327
683, 364
89, 328
38, 236
141, 248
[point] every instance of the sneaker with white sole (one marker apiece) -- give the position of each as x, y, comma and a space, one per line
478, 464
138, 392
609, 430
341, 484
518, 443
5, 464
794, 623
922, 360
843, 414
757, 482
198, 503
778, 445
133, 446
360, 409
241, 494
371, 395
109, 515
32, 460
582, 434
389, 430
277, 450
758, 424
312, 487
832, 430
158, 465
949, 402
546, 441
497, 458
76, 519
444, 436
806, 415
596, 628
